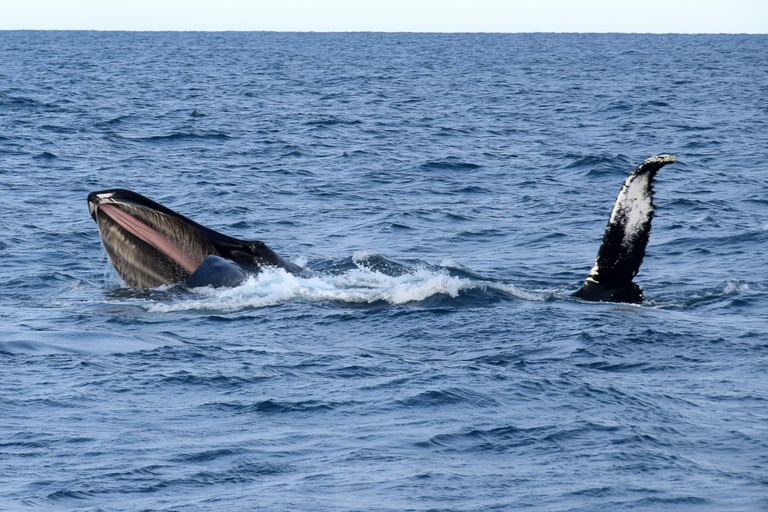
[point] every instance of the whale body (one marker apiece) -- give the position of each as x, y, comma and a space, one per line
151, 245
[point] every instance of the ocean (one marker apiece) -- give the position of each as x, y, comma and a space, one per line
448, 193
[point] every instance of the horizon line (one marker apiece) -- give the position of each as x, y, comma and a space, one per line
371, 31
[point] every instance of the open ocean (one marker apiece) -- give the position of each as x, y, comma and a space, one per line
449, 192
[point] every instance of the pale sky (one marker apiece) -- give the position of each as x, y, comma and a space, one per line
656, 16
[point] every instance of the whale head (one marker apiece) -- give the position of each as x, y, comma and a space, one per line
151, 245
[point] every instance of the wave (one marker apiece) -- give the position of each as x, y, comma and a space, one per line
591, 161
366, 279
332, 121
180, 136
275, 407
20, 102
74, 341
734, 296
45, 155
448, 397
449, 164
114, 121
732, 293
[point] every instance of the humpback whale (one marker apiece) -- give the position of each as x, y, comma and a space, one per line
151, 245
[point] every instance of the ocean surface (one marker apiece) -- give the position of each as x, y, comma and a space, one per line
449, 194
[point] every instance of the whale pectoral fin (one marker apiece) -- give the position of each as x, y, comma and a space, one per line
626, 236
217, 272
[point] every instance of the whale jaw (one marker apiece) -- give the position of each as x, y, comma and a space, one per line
147, 247
151, 245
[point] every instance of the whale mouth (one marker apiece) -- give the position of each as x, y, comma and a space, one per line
147, 247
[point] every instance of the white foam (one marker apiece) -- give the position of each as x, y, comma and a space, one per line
276, 286
530, 295
733, 287
360, 256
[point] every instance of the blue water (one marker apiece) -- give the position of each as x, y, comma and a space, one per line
449, 193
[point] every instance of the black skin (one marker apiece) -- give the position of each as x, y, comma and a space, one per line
251, 255
621, 293
618, 263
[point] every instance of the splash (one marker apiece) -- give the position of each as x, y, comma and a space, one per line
360, 285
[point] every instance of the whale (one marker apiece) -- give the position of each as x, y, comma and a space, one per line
626, 236
150, 245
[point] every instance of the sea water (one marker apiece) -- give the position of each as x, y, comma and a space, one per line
447, 194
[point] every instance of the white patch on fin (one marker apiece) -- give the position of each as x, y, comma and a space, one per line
634, 205
623, 246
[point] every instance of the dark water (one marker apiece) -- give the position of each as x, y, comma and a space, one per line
450, 191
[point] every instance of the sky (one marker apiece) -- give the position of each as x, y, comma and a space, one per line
654, 16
